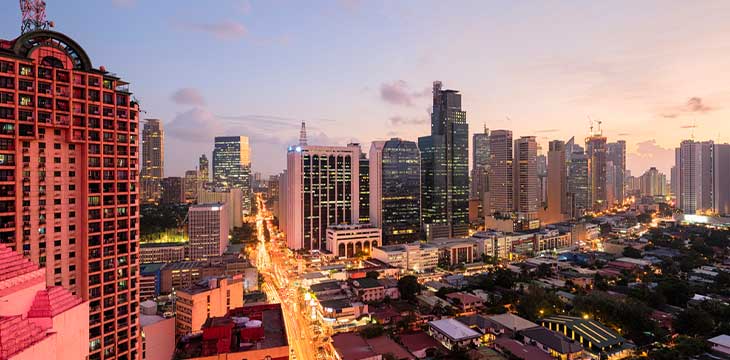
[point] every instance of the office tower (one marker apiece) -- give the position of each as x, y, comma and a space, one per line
232, 166
395, 190
153, 157
721, 179
190, 185
480, 166
611, 175
525, 181
542, 179
322, 190
445, 168
283, 204
673, 181
694, 166
652, 183
579, 184
557, 192
203, 170
364, 189
173, 190
616, 153
596, 152
231, 199
501, 174
207, 230
572, 148
62, 175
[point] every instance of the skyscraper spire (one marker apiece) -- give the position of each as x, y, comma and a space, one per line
303, 135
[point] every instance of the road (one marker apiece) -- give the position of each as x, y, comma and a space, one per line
279, 287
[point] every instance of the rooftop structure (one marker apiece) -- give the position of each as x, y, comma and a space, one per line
591, 334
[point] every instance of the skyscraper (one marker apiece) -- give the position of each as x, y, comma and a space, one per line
207, 230
191, 183
68, 187
322, 190
364, 189
500, 173
542, 179
596, 152
557, 193
203, 170
173, 191
721, 179
395, 190
480, 165
616, 153
232, 166
526, 195
579, 184
652, 183
153, 157
695, 176
445, 167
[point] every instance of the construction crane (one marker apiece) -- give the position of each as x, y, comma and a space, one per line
34, 16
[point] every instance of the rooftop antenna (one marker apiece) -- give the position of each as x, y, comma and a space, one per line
33, 16
303, 135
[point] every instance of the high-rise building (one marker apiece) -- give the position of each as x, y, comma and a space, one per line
445, 167
596, 152
674, 181
232, 200
525, 181
541, 179
283, 197
721, 179
203, 170
557, 192
153, 157
653, 183
232, 166
611, 179
616, 153
501, 174
207, 230
62, 175
322, 190
173, 190
480, 165
395, 190
364, 189
695, 164
190, 185
579, 184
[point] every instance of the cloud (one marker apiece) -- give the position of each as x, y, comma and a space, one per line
695, 105
399, 93
124, 3
648, 153
195, 125
188, 96
224, 30
400, 120
243, 6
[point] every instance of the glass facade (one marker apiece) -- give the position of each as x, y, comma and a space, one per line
445, 166
232, 166
364, 189
579, 183
401, 192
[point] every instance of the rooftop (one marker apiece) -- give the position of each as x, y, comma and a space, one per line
325, 286
419, 341
454, 329
351, 346
552, 340
595, 332
12, 264
520, 350
367, 283
512, 321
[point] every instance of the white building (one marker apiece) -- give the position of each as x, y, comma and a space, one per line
208, 230
348, 240
416, 256
451, 333
231, 198
721, 344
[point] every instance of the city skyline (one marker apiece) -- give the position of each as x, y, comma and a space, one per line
641, 81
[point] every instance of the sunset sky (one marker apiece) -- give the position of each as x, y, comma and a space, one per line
654, 72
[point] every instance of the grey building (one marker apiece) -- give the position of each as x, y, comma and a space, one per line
445, 168
501, 196
616, 153
232, 166
579, 184
153, 161
480, 165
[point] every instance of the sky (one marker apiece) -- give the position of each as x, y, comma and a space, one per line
653, 72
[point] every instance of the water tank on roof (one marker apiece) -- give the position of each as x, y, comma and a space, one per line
148, 307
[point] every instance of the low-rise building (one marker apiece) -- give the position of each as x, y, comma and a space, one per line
368, 289
720, 345
158, 333
149, 280
346, 241
451, 333
417, 257
341, 314
592, 335
254, 332
211, 297
456, 251
162, 252
553, 343
352, 346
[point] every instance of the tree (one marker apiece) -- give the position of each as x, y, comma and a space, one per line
676, 292
409, 287
372, 331
694, 322
632, 252
372, 274
544, 270
644, 218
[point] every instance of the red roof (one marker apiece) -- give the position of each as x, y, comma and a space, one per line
12, 264
17, 334
418, 341
52, 301
520, 350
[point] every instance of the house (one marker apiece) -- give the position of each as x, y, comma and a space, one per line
451, 333
369, 289
720, 345
555, 344
519, 350
465, 302
391, 288
420, 344
508, 324
351, 346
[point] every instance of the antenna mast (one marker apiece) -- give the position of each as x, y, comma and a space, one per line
33, 16
303, 135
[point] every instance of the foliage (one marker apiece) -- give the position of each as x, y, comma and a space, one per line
537, 299
632, 252
243, 234
409, 287
630, 315
685, 348
694, 322
159, 218
372, 331
676, 292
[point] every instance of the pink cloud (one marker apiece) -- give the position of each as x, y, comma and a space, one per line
399, 93
188, 96
224, 30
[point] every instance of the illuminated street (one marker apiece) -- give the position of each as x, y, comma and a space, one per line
280, 287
